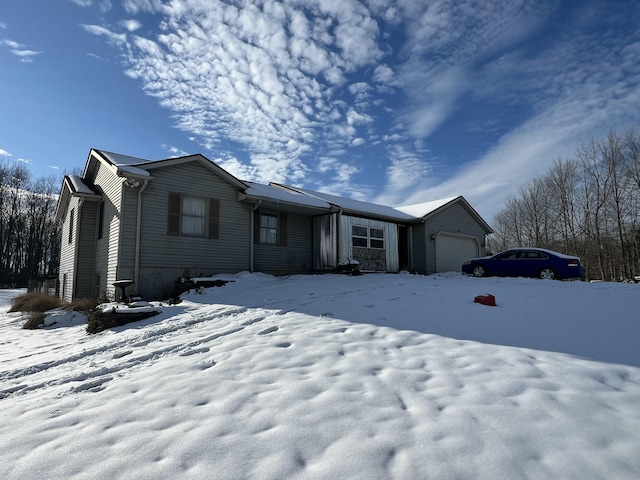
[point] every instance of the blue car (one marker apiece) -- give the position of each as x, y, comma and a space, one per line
526, 262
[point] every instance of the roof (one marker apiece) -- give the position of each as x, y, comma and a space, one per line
428, 209
274, 194
128, 166
77, 185
420, 210
349, 205
125, 164
73, 185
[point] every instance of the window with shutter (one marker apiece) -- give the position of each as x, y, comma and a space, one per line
193, 216
271, 229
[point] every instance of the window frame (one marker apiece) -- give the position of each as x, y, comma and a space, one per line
373, 241
280, 228
268, 233
72, 215
187, 216
175, 216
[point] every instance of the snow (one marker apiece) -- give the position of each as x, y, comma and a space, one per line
79, 186
275, 194
376, 376
126, 163
420, 210
352, 205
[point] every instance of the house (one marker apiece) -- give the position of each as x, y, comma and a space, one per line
153, 222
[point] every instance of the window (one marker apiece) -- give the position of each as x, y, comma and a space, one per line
270, 229
367, 237
100, 220
360, 236
193, 221
71, 222
193, 216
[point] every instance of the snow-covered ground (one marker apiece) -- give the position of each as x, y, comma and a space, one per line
334, 377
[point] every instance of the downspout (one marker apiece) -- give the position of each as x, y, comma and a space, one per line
251, 242
138, 229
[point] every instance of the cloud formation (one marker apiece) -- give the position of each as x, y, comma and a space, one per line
335, 93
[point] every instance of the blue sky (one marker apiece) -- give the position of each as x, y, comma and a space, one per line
395, 102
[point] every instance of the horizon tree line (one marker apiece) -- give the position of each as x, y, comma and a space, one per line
29, 235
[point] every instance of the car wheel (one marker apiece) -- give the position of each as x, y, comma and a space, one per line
547, 273
479, 271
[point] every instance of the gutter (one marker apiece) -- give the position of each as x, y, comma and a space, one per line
138, 228
252, 234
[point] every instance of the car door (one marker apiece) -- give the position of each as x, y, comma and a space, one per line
506, 264
534, 262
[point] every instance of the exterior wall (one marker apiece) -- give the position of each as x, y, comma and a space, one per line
128, 227
67, 252
325, 242
107, 247
295, 257
84, 280
419, 246
370, 259
454, 219
165, 258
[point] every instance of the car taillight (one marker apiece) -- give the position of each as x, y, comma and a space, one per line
574, 263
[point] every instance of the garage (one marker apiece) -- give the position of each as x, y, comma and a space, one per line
452, 250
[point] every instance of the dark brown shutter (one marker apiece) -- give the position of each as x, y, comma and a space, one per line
173, 220
214, 218
283, 229
256, 227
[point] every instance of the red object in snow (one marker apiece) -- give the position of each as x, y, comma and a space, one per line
486, 300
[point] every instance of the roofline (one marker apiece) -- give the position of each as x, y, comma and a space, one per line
64, 197
197, 157
466, 205
242, 196
352, 212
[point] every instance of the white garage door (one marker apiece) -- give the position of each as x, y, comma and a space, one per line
453, 250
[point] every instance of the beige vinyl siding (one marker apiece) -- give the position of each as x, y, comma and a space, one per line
295, 257
164, 258
67, 253
453, 219
107, 246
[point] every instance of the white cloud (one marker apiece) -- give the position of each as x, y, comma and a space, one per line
54, 167
24, 160
113, 38
4, 153
131, 25
25, 55
286, 80
12, 44
82, 3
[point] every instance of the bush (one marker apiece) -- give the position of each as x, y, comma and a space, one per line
99, 320
35, 321
34, 302
83, 304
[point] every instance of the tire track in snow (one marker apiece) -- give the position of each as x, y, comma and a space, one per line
93, 374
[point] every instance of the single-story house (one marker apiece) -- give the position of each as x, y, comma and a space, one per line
153, 222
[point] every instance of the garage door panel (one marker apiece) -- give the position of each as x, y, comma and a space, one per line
453, 250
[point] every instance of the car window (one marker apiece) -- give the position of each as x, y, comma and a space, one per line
535, 255
509, 255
